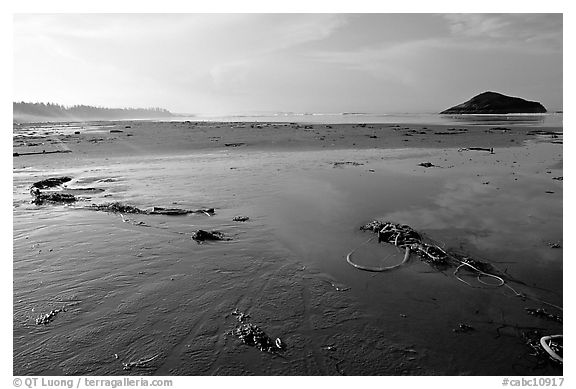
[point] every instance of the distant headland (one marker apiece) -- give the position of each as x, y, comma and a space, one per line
49, 112
496, 103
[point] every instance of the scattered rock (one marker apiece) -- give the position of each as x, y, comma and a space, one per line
201, 235
240, 218
426, 164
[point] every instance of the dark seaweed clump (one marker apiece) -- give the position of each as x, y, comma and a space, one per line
51, 182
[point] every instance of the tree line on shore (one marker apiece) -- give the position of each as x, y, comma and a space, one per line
51, 111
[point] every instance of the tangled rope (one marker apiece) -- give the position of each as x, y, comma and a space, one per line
404, 237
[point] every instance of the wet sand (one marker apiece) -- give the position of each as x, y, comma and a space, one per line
140, 286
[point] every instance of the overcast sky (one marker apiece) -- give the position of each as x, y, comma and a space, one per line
233, 63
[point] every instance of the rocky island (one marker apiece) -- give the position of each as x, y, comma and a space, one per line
495, 103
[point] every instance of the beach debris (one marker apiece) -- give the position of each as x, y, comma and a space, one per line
166, 211
550, 192
234, 144
343, 163
542, 313
240, 218
117, 207
498, 129
51, 182
48, 317
405, 237
554, 347
39, 198
240, 315
279, 344
544, 132
253, 335
56, 197
427, 164
558, 178
114, 207
451, 131
463, 327
115, 131
555, 245
549, 347
202, 235
490, 150
41, 152
143, 362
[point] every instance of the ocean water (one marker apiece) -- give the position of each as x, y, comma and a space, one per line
546, 120
138, 286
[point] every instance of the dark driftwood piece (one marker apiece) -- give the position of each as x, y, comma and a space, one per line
15, 154
117, 207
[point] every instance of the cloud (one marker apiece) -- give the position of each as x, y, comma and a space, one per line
500, 35
537, 30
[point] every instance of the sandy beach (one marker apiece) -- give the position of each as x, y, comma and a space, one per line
137, 287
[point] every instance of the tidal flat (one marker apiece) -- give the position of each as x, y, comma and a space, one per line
137, 287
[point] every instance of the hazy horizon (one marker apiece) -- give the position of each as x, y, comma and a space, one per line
224, 64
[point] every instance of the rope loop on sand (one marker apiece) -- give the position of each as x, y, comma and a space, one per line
378, 268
